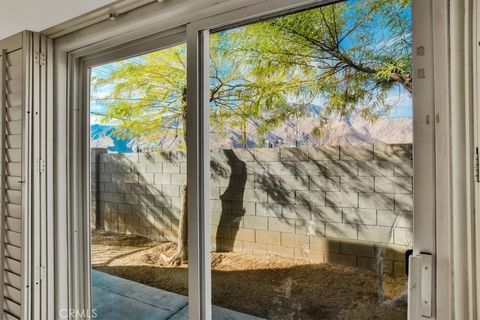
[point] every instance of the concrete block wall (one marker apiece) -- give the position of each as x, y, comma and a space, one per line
327, 204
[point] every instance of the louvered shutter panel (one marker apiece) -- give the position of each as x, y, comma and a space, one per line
11, 219
23, 96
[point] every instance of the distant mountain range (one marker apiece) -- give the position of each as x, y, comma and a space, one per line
101, 136
340, 132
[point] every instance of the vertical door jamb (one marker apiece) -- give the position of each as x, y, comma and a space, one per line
442, 150
40, 131
424, 122
78, 298
35, 187
198, 175
85, 223
49, 187
27, 174
476, 138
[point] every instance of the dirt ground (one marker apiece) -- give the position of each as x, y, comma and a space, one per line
264, 285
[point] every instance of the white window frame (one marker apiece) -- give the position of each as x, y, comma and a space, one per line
77, 51
79, 228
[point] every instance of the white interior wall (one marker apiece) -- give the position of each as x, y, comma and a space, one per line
37, 15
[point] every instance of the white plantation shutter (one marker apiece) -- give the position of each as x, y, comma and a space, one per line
11, 215
23, 93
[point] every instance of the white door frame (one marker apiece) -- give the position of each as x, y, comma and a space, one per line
424, 155
98, 41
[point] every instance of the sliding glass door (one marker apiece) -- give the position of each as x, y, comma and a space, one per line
259, 166
304, 146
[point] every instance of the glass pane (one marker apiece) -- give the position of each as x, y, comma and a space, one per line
311, 164
138, 170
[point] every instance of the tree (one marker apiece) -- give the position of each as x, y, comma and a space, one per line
147, 102
350, 55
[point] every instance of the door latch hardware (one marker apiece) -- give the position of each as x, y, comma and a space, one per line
420, 285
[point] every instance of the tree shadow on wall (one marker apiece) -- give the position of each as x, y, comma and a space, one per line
232, 212
129, 201
294, 189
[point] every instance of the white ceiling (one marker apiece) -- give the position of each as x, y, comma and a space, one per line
37, 15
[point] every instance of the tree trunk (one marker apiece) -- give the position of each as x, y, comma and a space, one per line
297, 134
181, 254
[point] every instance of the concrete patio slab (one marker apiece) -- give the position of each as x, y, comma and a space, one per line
117, 298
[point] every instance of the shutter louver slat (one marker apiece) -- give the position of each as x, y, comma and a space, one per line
13, 224
14, 86
14, 127
8, 316
14, 114
14, 72
12, 308
14, 197
14, 141
13, 266
13, 238
13, 252
15, 58
13, 293
14, 169
14, 99
13, 279
14, 211
14, 155
14, 183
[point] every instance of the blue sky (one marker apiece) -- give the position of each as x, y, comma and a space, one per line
403, 108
